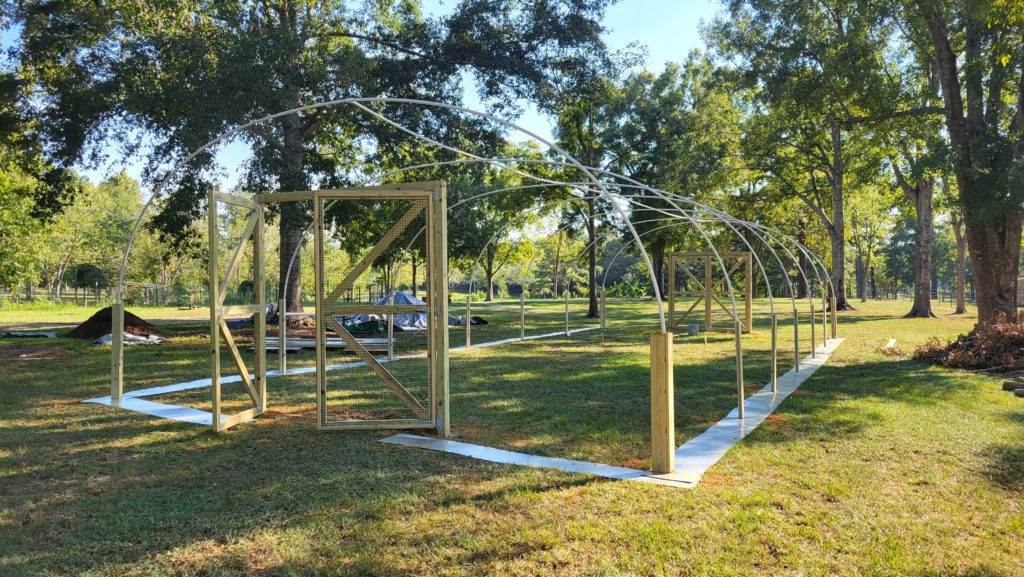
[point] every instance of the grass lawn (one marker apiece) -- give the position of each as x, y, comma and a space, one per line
878, 465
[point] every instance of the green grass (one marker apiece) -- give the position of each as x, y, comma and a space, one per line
878, 465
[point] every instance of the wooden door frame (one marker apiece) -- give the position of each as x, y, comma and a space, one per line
429, 197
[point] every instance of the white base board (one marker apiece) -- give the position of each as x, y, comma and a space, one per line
693, 458
132, 400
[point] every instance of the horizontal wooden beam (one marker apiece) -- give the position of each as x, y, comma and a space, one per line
398, 190
364, 309
709, 254
236, 200
231, 310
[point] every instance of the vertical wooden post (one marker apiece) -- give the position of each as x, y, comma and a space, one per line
522, 315
468, 320
214, 278
259, 298
282, 337
740, 385
775, 354
321, 324
604, 309
813, 328
834, 319
567, 310
391, 327
708, 293
671, 292
663, 425
824, 315
796, 341
437, 273
116, 352
748, 283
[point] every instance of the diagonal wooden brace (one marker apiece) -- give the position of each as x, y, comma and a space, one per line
353, 345
377, 249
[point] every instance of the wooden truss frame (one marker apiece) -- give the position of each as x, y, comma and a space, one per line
428, 197
256, 383
707, 292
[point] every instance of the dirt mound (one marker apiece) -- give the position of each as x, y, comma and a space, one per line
994, 348
100, 324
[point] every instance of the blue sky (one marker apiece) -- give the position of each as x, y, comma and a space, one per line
669, 29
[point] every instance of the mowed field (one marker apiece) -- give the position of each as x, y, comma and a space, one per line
878, 465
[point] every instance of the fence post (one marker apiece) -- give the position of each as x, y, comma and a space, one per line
567, 311
468, 321
116, 352
604, 309
522, 316
282, 337
663, 428
834, 320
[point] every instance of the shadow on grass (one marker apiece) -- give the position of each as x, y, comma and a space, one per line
1005, 465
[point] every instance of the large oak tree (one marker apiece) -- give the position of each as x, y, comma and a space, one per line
180, 72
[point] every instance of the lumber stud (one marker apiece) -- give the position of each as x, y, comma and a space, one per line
663, 428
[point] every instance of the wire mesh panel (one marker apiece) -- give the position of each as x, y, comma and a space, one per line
377, 358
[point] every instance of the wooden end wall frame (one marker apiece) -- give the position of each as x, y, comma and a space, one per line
707, 291
425, 198
255, 381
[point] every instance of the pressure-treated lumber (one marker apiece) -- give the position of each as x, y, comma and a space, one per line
117, 351
663, 423
834, 313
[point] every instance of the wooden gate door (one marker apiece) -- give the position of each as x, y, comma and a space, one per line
372, 373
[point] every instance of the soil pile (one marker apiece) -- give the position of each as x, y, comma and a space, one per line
992, 347
99, 324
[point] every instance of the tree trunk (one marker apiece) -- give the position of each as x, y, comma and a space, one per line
658, 261
838, 230
801, 277
489, 273
414, 275
861, 274
874, 283
592, 258
993, 231
923, 240
961, 264
554, 273
293, 216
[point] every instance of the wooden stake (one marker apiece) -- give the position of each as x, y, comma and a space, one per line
604, 309
834, 319
116, 351
282, 335
663, 428
438, 273
567, 311
522, 316
468, 323
214, 313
